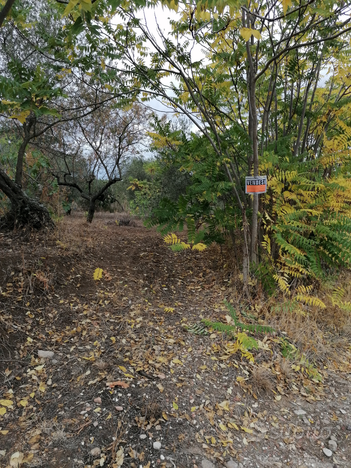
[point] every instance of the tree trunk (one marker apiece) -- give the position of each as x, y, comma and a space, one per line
251, 91
25, 211
6, 10
246, 257
19, 165
91, 210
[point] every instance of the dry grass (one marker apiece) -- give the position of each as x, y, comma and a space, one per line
285, 368
261, 380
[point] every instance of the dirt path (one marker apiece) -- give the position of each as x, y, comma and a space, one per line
128, 383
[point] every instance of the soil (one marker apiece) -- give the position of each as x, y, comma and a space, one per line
135, 379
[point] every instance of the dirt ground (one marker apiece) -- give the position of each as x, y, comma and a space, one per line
130, 379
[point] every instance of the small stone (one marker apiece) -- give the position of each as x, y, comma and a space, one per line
332, 445
207, 464
97, 400
333, 437
95, 452
327, 452
342, 411
143, 436
158, 427
95, 423
157, 445
46, 354
119, 408
300, 412
231, 464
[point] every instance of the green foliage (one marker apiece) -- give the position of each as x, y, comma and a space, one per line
231, 329
197, 329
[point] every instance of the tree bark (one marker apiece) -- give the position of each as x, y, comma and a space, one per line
6, 10
251, 90
91, 210
20, 159
25, 211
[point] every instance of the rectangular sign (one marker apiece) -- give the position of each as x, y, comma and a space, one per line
256, 184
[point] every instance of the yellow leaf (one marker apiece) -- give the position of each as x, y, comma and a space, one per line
70, 7
286, 4
4, 432
193, 409
175, 406
164, 415
109, 416
246, 429
223, 427
129, 375
6, 403
176, 361
113, 339
160, 387
2, 411
248, 32
200, 247
97, 410
224, 405
233, 426
123, 368
98, 274
21, 116
42, 387
23, 403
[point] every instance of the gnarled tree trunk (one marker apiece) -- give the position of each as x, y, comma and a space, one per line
25, 211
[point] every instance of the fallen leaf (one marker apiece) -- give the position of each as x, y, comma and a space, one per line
120, 457
175, 406
177, 361
16, 459
233, 426
98, 274
223, 427
6, 403
160, 387
2, 411
42, 387
225, 405
35, 439
118, 383
245, 429
4, 432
